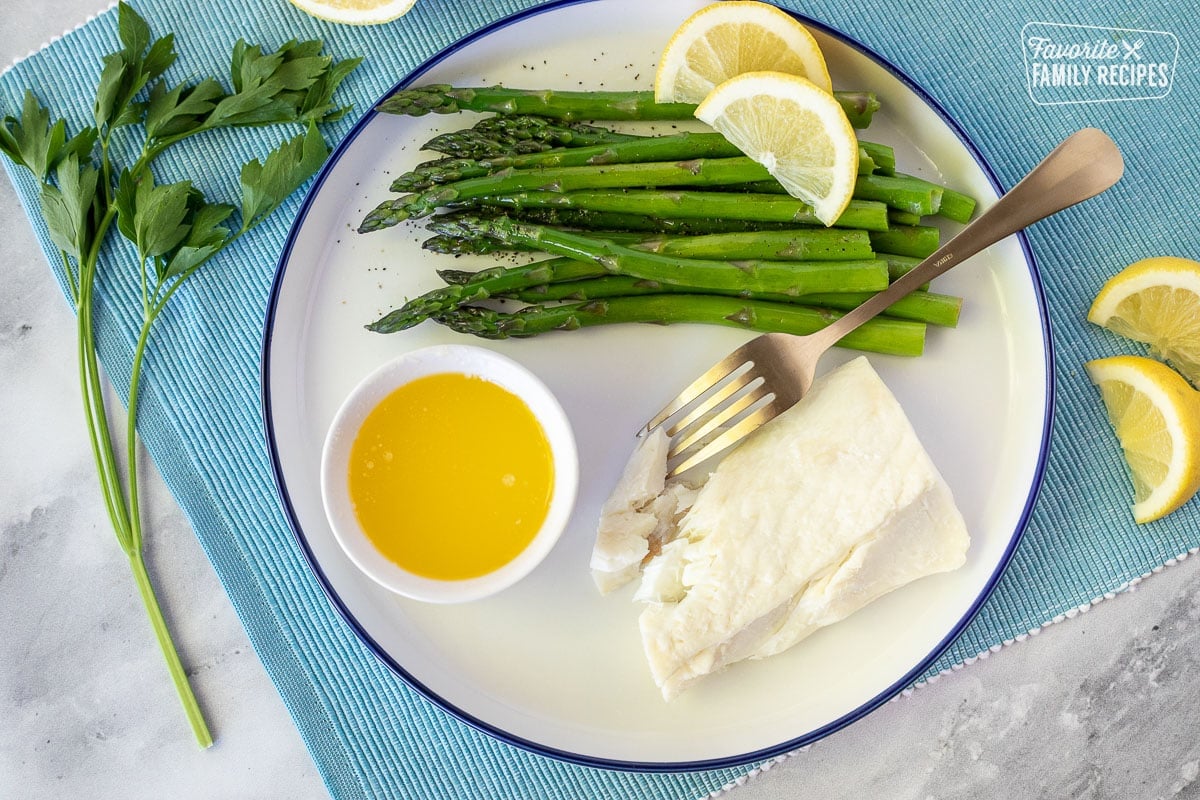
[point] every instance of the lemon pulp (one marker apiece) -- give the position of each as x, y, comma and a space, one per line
451, 476
1156, 417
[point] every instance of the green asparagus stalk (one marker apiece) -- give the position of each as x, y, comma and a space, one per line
957, 206
908, 194
913, 197
782, 277
750, 276
903, 193
520, 134
881, 155
796, 244
691, 204
482, 285
696, 172
675, 147
458, 246
917, 241
523, 276
900, 265
903, 217
474, 144
897, 266
805, 244
879, 335
928, 307
591, 219
574, 105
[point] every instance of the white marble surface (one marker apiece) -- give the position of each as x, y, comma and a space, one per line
1100, 706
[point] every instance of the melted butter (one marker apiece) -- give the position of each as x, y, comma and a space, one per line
451, 476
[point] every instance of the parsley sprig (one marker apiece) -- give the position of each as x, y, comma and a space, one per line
172, 227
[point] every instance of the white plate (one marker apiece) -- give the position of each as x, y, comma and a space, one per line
550, 664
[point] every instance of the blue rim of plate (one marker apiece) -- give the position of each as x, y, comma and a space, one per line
725, 762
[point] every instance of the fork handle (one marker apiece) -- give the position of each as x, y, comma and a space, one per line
1084, 165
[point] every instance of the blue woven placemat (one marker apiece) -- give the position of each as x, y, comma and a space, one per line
1008, 74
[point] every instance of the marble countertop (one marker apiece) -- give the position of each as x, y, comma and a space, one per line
1100, 705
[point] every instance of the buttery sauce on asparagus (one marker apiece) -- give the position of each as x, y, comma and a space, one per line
451, 476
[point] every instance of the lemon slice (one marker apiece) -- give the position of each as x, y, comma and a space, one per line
1156, 301
355, 12
1156, 416
794, 129
723, 40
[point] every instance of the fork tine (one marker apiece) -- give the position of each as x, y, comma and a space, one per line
715, 373
704, 426
733, 383
730, 437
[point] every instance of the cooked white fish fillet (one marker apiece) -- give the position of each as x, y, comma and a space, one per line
826, 508
626, 526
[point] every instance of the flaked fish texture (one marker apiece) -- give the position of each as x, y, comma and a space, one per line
828, 507
640, 515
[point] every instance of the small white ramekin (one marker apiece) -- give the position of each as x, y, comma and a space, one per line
462, 359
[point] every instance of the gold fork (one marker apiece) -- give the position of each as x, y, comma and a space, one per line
769, 374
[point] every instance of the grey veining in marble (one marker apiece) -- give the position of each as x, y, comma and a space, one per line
1104, 705
1099, 706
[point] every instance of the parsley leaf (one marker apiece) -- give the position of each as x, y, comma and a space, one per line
67, 207
151, 215
266, 185
182, 110
38, 145
206, 235
127, 71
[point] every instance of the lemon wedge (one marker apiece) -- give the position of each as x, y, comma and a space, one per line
724, 40
355, 12
1156, 301
798, 131
1156, 416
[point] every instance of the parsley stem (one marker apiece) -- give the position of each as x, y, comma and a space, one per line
123, 510
191, 707
93, 390
69, 274
93, 408
135, 514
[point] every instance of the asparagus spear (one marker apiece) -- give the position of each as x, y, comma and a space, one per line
681, 146
695, 172
917, 241
879, 335
458, 246
482, 285
903, 217
796, 244
472, 144
520, 134
590, 219
683, 204
903, 193
570, 106
928, 307
675, 147
751, 276
912, 195
957, 206
897, 265
882, 155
